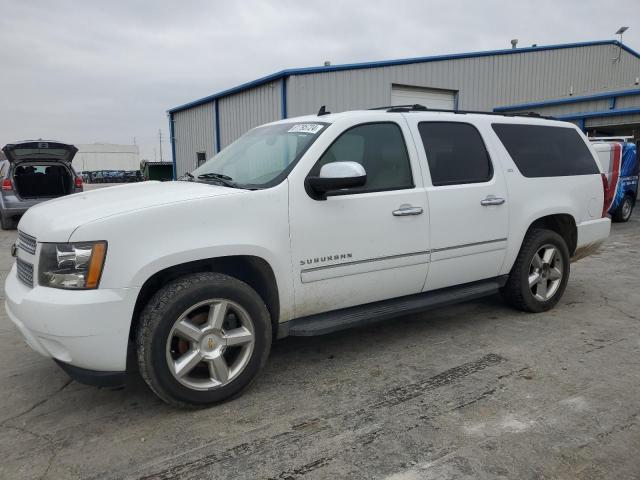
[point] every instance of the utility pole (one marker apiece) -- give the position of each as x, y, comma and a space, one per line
160, 141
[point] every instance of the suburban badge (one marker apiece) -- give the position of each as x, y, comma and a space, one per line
328, 258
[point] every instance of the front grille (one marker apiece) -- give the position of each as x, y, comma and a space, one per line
26, 242
25, 272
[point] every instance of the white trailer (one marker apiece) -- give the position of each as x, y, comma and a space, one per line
106, 156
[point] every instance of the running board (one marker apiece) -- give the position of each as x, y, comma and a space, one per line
370, 313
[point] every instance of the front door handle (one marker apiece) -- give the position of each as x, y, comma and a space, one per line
492, 200
405, 210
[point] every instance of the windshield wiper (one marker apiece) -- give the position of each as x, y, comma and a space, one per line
187, 176
220, 177
215, 175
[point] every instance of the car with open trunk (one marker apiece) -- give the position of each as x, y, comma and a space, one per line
35, 171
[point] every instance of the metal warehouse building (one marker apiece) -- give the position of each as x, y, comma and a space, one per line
594, 84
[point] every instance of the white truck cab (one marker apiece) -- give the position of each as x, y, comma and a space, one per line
302, 227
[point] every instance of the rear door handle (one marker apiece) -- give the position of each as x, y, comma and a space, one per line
405, 210
492, 200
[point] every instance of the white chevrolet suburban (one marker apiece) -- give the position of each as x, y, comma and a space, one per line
302, 227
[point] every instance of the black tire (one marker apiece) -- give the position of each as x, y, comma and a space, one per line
517, 291
624, 210
163, 311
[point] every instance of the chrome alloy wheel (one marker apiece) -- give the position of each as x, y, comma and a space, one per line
545, 272
210, 344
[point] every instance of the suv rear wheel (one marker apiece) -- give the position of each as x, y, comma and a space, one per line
202, 339
540, 273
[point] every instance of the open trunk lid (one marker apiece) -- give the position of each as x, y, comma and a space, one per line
39, 150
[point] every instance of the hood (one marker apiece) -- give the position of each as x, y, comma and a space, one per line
39, 150
55, 220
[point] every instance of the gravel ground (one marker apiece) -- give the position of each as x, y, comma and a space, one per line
472, 391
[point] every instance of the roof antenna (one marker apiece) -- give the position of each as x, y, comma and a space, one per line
323, 111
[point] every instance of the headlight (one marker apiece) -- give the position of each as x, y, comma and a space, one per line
71, 265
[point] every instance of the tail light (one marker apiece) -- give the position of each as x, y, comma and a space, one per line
78, 182
6, 184
608, 196
609, 185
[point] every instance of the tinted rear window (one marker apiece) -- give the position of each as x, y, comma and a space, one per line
455, 152
543, 151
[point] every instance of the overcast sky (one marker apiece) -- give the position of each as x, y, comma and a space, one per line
107, 71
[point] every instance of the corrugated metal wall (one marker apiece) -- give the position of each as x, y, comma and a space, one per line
193, 131
613, 120
483, 82
600, 105
622, 102
243, 111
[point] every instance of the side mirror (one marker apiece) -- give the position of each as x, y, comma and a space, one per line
336, 176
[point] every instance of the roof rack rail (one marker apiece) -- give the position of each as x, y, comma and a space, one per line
422, 108
405, 108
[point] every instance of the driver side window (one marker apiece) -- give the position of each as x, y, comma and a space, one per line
380, 149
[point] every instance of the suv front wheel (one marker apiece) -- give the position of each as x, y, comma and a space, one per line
202, 339
540, 273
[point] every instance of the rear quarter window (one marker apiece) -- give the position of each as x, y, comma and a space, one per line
546, 151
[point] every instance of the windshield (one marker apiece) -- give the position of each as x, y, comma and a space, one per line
262, 157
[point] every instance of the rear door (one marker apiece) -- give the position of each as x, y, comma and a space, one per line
467, 200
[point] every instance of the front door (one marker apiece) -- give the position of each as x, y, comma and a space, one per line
368, 243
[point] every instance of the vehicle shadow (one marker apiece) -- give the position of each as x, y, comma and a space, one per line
293, 362
429, 321
311, 354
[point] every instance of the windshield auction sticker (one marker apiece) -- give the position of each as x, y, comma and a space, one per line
311, 128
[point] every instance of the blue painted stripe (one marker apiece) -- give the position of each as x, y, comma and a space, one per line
217, 126
173, 146
607, 113
564, 101
389, 63
283, 98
